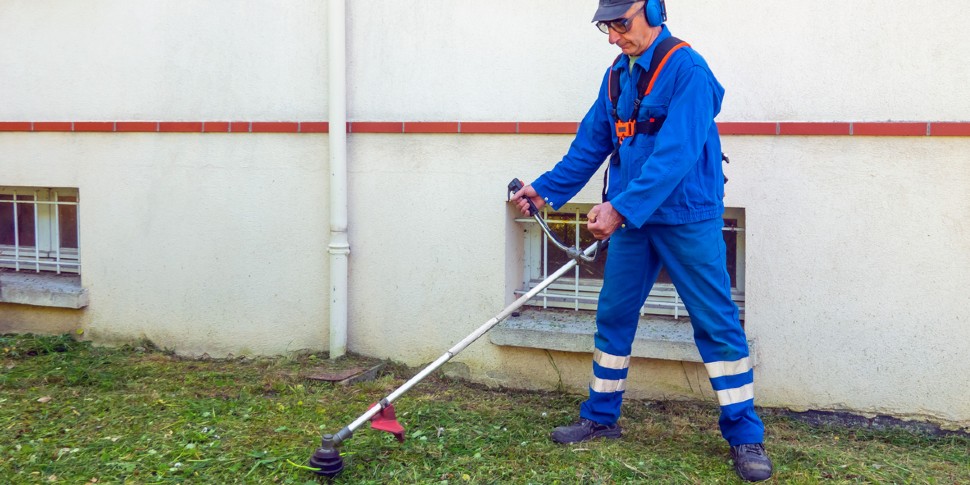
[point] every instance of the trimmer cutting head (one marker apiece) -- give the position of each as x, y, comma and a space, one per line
327, 461
327, 458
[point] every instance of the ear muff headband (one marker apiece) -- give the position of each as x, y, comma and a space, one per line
655, 11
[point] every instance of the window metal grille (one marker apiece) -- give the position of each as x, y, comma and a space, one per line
581, 290
39, 229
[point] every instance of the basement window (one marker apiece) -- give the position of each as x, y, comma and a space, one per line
579, 290
39, 243
39, 230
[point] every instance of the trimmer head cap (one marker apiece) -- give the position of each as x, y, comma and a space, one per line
327, 458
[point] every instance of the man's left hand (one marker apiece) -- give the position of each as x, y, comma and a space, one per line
603, 219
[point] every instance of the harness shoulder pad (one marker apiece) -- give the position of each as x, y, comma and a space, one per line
660, 56
613, 89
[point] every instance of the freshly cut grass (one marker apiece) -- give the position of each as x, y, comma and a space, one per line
74, 413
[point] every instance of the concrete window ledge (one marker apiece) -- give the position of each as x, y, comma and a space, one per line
570, 331
43, 289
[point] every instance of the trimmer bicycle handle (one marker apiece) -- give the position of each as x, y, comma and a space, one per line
516, 185
574, 252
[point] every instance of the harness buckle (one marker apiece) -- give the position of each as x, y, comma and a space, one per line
625, 129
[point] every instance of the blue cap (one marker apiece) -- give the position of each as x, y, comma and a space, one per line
612, 9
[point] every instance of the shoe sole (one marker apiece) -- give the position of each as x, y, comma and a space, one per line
771, 472
606, 433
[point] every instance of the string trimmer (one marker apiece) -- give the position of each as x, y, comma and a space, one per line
326, 460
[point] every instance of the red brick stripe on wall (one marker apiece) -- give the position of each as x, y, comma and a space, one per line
431, 127
53, 126
275, 127
747, 128
796, 128
314, 127
548, 127
761, 128
949, 129
215, 127
15, 126
376, 127
889, 129
507, 127
136, 126
94, 126
180, 126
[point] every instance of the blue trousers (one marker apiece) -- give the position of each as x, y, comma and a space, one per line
694, 256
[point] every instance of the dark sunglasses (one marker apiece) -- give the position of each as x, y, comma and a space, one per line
620, 25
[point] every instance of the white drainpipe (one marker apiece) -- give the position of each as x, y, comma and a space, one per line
339, 247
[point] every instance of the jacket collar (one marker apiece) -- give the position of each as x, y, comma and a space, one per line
644, 60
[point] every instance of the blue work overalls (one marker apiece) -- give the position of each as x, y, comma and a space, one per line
669, 187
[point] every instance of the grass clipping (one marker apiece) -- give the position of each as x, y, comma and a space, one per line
73, 413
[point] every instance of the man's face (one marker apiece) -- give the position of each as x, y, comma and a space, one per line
639, 36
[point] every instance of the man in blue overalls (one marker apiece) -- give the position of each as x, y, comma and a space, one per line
663, 207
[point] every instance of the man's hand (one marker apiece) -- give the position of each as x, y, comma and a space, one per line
603, 219
519, 199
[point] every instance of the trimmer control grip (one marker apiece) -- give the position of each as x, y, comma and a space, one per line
516, 185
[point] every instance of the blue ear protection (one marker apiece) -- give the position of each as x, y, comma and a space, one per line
655, 11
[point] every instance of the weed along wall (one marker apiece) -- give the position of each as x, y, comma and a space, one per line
198, 143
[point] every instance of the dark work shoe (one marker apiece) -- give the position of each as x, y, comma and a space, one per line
585, 430
751, 462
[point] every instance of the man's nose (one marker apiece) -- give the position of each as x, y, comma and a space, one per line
614, 37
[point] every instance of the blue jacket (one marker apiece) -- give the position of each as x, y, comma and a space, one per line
671, 177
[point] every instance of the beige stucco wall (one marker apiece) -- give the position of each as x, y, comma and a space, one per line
500, 60
198, 242
543, 60
857, 252
172, 60
202, 243
858, 260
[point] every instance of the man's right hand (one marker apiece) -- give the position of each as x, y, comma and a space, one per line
520, 200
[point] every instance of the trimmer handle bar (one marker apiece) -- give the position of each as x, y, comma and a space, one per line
574, 252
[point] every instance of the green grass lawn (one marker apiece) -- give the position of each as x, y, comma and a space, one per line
73, 413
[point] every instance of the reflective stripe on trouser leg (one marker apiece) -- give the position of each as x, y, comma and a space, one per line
606, 388
609, 372
694, 255
631, 268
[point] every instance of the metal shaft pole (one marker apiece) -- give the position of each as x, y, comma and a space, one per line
345, 433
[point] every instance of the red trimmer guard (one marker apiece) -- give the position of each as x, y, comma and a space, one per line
385, 420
